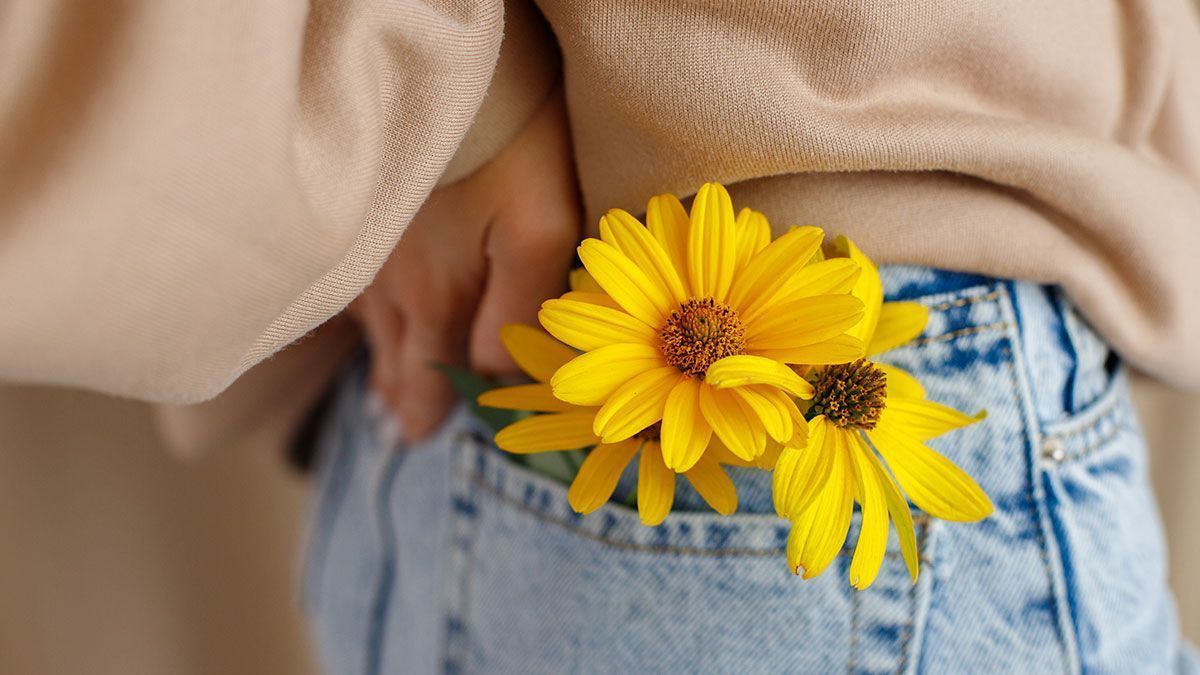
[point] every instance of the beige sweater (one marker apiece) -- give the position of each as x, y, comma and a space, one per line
186, 188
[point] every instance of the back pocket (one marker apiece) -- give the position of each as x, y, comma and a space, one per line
534, 587
1110, 538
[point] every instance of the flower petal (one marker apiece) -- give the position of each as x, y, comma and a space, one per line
598, 475
739, 371
636, 404
588, 326
839, 349
668, 223
806, 321
713, 485
579, 280
819, 533
899, 323
767, 272
801, 472
930, 480
924, 419
900, 383
555, 431
900, 514
873, 534
589, 379
685, 433
656, 486
534, 397
535, 352
772, 407
733, 422
828, 277
597, 298
868, 288
624, 231
753, 235
628, 285
712, 243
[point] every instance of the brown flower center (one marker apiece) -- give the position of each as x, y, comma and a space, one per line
851, 394
650, 433
700, 333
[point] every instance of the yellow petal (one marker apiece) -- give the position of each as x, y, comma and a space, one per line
668, 223
685, 434
801, 472
733, 422
900, 383
533, 397
868, 288
589, 379
624, 231
839, 349
714, 485
924, 419
636, 404
828, 277
900, 514
930, 480
598, 475
873, 535
806, 321
820, 531
588, 326
656, 486
628, 285
555, 431
712, 243
899, 322
767, 272
538, 354
773, 408
745, 369
579, 280
597, 298
753, 235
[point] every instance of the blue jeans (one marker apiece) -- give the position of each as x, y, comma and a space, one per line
448, 556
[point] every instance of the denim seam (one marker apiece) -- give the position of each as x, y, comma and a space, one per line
908, 629
855, 619
388, 563
485, 485
334, 476
962, 332
963, 302
1032, 433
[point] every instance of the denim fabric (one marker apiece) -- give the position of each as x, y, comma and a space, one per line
449, 557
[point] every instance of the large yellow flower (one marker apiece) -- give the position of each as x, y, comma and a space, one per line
697, 323
565, 426
857, 409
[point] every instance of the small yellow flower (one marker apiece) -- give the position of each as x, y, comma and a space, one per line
857, 409
696, 325
565, 426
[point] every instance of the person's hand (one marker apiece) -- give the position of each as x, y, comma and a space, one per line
480, 253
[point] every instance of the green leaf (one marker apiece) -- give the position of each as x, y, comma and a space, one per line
469, 385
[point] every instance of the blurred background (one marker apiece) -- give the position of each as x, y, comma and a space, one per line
116, 557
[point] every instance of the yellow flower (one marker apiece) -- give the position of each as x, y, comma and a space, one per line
696, 324
815, 486
565, 426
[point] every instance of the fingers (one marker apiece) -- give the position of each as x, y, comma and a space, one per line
528, 260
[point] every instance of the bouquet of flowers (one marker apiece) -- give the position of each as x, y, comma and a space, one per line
696, 341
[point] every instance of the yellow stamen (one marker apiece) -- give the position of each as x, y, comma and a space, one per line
851, 394
700, 333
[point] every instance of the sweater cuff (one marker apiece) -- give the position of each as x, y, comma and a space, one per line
526, 73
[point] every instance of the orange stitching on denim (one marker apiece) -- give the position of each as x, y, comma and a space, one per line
963, 302
962, 332
482, 483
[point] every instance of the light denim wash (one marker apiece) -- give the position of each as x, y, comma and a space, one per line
447, 556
